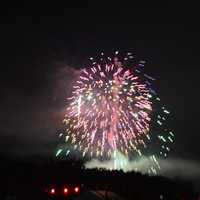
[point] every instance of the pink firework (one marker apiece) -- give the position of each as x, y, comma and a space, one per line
109, 110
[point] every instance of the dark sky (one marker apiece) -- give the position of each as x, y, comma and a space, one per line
42, 45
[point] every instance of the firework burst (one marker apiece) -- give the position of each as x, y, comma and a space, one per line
112, 110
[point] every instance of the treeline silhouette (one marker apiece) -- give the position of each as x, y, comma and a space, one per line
31, 179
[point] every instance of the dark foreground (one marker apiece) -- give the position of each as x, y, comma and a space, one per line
34, 181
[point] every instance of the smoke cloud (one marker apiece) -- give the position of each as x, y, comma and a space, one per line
31, 116
170, 167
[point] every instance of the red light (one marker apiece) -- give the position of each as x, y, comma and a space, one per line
76, 189
52, 191
65, 190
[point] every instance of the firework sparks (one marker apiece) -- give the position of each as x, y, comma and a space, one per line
111, 110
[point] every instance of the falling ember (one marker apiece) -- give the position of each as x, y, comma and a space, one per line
111, 109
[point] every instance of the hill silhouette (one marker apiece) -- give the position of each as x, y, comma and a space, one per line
25, 178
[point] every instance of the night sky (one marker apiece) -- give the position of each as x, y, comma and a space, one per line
43, 45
